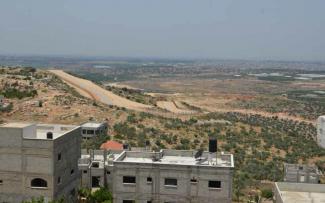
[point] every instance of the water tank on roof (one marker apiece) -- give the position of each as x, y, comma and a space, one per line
49, 135
213, 145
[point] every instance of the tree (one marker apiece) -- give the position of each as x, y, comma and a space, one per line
103, 195
268, 194
41, 200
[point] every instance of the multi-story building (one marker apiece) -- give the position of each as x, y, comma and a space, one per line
321, 131
159, 177
299, 192
93, 128
2, 100
38, 160
301, 173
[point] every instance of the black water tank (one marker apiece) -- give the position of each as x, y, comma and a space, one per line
49, 135
125, 146
213, 144
147, 143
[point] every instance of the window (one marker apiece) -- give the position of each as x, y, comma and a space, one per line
84, 131
85, 171
128, 201
129, 179
149, 180
59, 180
108, 172
1, 182
301, 168
59, 157
302, 178
170, 182
97, 132
194, 181
90, 132
72, 171
148, 201
38, 182
95, 165
312, 177
73, 193
214, 184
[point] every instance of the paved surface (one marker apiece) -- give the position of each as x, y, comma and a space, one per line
98, 93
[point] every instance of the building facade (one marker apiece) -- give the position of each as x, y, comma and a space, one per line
38, 160
163, 177
299, 192
2, 100
301, 173
321, 131
90, 129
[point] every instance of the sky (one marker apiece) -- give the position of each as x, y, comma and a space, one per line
201, 29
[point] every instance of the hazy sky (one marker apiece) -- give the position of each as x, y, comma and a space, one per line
227, 29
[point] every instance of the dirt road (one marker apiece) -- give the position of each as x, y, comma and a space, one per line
170, 106
97, 92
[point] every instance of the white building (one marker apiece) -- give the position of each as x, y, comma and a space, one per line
38, 160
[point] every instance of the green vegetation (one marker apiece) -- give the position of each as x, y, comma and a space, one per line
95, 142
99, 196
41, 200
191, 107
14, 93
268, 194
6, 109
134, 95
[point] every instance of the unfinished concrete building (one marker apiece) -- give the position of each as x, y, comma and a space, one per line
299, 193
38, 160
321, 131
301, 173
93, 128
162, 177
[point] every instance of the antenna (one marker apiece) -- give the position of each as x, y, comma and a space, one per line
199, 153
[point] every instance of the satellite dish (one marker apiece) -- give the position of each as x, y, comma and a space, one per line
199, 153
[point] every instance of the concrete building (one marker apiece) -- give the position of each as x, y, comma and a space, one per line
321, 131
163, 177
301, 173
299, 193
93, 128
2, 100
38, 160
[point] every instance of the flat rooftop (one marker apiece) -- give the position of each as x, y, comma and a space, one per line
301, 192
91, 125
180, 160
177, 157
39, 131
15, 125
295, 197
